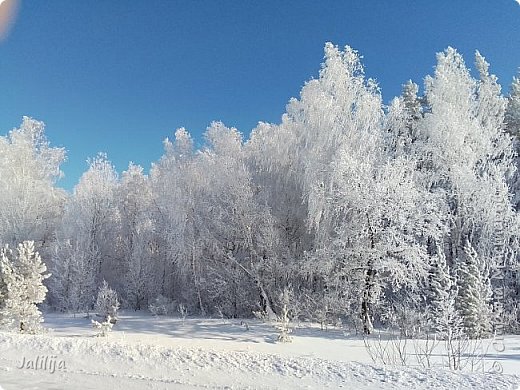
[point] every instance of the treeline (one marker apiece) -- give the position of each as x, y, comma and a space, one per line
401, 215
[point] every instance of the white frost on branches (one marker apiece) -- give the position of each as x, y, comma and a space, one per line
21, 288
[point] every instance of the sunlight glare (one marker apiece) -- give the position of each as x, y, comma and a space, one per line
8, 10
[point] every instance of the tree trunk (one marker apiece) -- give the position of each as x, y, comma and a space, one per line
365, 304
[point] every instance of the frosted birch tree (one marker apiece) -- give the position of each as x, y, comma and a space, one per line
236, 232
85, 246
134, 237
30, 203
363, 206
173, 183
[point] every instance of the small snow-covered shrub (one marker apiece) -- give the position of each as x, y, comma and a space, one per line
107, 303
314, 308
283, 327
284, 320
183, 311
387, 348
104, 328
162, 306
261, 315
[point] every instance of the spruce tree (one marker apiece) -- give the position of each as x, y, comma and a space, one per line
474, 296
107, 303
22, 278
441, 295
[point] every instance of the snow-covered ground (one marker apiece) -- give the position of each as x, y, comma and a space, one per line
145, 352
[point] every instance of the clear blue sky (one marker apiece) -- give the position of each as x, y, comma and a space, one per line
120, 76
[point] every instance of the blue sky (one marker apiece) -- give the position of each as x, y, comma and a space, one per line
120, 76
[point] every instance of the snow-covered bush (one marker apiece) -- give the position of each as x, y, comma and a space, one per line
162, 306
21, 288
183, 311
388, 348
319, 309
104, 328
107, 303
284, 320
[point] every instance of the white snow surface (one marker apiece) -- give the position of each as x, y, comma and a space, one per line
146, 352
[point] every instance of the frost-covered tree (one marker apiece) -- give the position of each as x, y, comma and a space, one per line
512, 122
71, 284
85, 246
236, 230
467, 154
104, 328
412, 101
284, 319
274, 159
30, 203
401, 121
363, 206
134, 236
512, 117
441, 294
21, 281
174, 194
474, 294
214, 237
107, 303
465, 158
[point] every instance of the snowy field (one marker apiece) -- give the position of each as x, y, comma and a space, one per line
146, 352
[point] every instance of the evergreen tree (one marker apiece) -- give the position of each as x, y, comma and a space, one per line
107, 303
8, 282
23, 275
474, 294
440, 294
